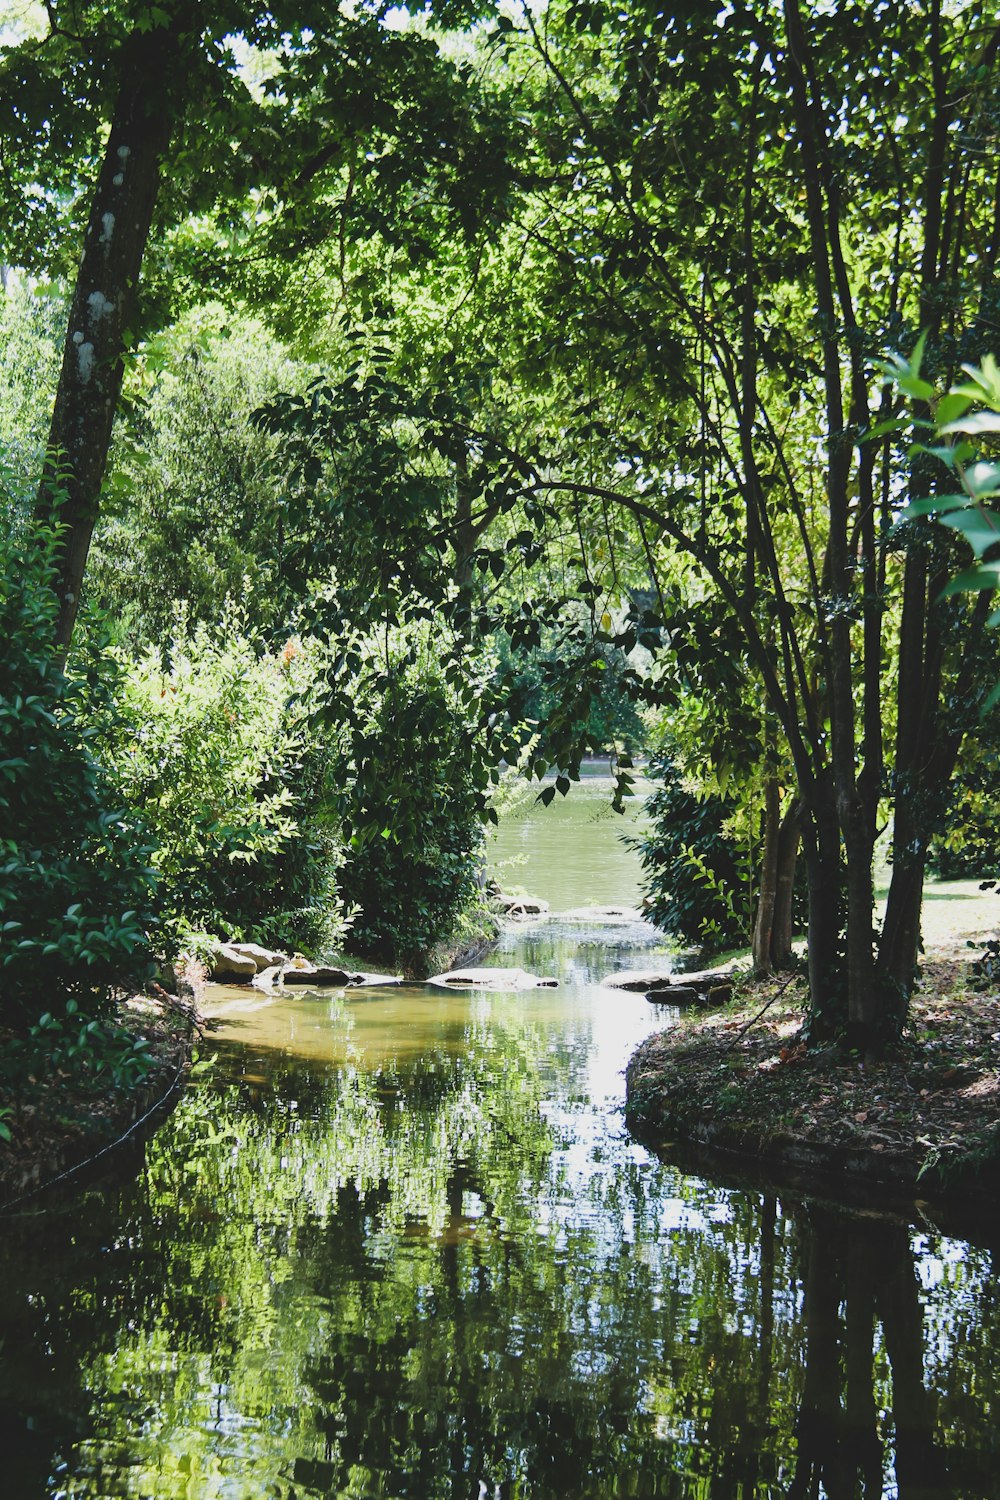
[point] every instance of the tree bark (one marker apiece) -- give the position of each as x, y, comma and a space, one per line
824, 873
763, 927
782, 956
102, 311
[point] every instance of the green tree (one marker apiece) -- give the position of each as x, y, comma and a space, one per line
714, 222
77, 893
214, 745
142, 95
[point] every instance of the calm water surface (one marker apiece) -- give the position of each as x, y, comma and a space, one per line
398, 1244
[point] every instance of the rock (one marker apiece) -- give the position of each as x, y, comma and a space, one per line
690, 994
674, 994
315, 975
492, 979
703, 979
226, 963
303, 973
266, 979
659, 979
264, 958
522, 906
613, 914
639, 980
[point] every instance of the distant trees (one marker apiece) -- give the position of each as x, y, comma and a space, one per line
154, 117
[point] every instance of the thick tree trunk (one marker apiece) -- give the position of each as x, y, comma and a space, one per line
899, 943
103, 309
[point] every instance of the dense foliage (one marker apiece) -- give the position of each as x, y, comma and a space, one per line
567, 345
211, 745
77, 894
698, 876
412, 867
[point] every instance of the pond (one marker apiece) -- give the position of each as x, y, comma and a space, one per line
397, 1243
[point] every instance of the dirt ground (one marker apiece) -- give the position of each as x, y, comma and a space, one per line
926, 1121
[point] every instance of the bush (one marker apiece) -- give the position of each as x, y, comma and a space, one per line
216, 756
696, 874
76, 888
413, 807
190, 511
964, 846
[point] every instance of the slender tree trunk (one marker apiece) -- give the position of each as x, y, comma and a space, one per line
102, 310
763, 930
782, 956
920, 1464
861, 1410
820, 1421
866, 1023
824, 874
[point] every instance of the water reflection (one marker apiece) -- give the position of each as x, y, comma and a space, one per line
405, 1249
859, 1285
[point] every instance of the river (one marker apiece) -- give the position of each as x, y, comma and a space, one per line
397, 1243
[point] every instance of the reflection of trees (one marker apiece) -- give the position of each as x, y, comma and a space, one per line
859, 1273
410, 1279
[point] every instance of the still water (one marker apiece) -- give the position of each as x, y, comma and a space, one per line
398, 1244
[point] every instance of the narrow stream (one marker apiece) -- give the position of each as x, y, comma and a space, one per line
397, 1243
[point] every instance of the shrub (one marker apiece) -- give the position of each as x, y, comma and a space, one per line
76, 888
413, 806
216, 756
696, 874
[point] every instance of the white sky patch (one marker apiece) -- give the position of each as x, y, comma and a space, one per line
255, 67
22, 21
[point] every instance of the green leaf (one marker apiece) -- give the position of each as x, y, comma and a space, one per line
979, 421
934, 505
982, 479
951, 407
981, 528
985, 575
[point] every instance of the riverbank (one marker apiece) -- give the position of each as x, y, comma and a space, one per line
63, 1120
739, 1086
58, 1117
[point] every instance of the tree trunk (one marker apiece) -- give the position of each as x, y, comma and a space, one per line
763, 929
867, 1025
920, 1464
899, 943
782, 956
102, 311
824, 871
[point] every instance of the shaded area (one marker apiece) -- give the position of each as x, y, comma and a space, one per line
431, 1260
